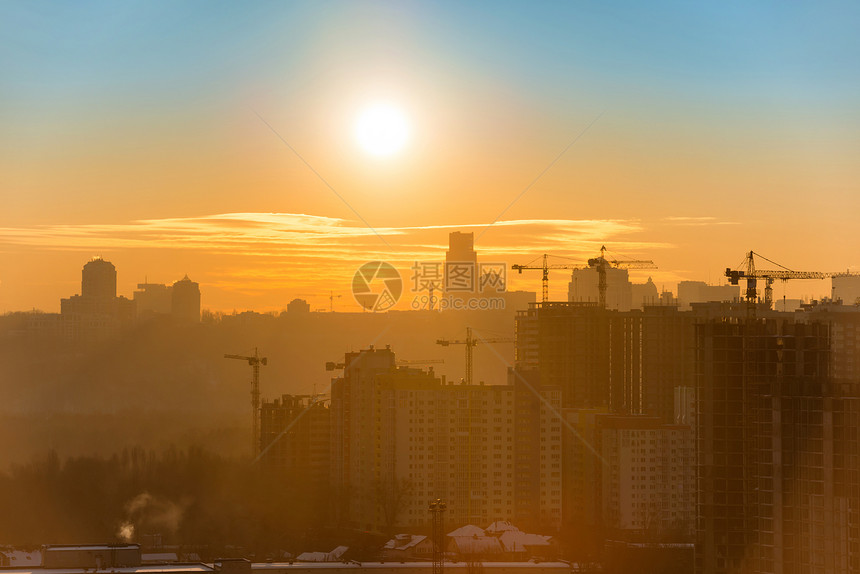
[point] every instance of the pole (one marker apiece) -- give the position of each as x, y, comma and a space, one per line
437, 507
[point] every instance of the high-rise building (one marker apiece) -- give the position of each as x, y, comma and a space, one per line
648, 476
583, 288
537, 437
153, 299
401, 438
185, 304
592, 355
98, 279
461, 248
778, 457
461, 279
846, 288
700, 292
295, 439
644, 294
97, 313
627, 476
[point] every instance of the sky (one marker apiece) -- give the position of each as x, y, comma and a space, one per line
216, 139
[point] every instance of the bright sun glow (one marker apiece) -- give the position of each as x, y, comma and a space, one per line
381, 130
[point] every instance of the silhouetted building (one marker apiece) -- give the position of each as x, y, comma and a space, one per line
846, 288
97, 313
700, 292
592, 355
98, 280
644, 294
583, 288
153, 299
295, 433
185, 304
461, 248
298, 306
461, 273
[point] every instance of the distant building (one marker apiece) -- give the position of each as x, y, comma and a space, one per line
153, 299
185, 304
583, 288
297, 306
97, 313
517, 300
461, 248
846, 288
98, 280
700, 292
644, 294
461, 280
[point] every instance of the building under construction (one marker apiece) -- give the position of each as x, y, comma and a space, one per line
294, 438
776, 407
779, 489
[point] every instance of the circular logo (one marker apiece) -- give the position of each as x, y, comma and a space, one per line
377, 286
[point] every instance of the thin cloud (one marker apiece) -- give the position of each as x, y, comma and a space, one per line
301, 235
698, 221
261, 253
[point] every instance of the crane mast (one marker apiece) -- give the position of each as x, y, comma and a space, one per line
470, 343
255, 361
545, 267
601, 264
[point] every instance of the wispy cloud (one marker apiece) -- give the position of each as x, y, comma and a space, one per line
314, 237
697, 221
252, 253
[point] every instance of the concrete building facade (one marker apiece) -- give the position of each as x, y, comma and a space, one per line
402, 437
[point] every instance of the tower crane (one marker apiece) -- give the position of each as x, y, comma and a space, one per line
545, 267
255, 361
601, 264
331, 298
470, 343
751, 275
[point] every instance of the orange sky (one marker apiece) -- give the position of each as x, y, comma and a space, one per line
708, 139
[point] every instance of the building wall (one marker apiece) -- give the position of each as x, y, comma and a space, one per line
776, 450
583, 288
295, 438
846, 288
185, 304
649, 478
700, 292
401, 439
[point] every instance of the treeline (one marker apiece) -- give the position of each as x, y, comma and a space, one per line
207, 504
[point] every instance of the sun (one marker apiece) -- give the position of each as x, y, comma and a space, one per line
382, 129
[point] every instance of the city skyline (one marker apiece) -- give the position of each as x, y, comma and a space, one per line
218, 142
